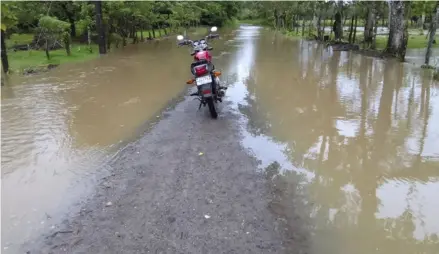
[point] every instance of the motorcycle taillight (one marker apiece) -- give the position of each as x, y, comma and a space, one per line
201, 70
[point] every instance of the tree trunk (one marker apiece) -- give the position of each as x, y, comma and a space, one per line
331, 24
100, 28
141, 35
110, 35
134, 33
390, 15
423, 16
319, 28
89, 40
433, 27
149, 35
338, 26
47, 50
67, 40
368, 28
153, 33
351, 30
71, 19
355, 29
293, 21
374, 36
397, 41
5, 61
303, 27
297, 27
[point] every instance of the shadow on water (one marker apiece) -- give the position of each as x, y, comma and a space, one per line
352, 138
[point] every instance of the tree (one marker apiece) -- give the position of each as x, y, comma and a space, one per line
66, 11
8, 19
53, 30
370, 23
432, 33
398, 36
338, 25
100, 28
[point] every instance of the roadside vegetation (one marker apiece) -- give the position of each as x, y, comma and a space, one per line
407, 24
37, 35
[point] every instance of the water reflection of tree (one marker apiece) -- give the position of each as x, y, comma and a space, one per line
376, 153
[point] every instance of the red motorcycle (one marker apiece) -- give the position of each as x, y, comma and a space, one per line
205, 77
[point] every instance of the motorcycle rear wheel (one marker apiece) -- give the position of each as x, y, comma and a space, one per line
212, 109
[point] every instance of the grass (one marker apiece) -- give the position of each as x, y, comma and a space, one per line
21, 60
19, 39
251, 21
414, 42
158, 33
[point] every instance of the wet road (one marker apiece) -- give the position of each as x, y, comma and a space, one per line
340, 154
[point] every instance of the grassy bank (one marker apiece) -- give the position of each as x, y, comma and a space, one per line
256, 22
414, 41
21, 60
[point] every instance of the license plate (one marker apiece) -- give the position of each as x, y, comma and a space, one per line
204, 80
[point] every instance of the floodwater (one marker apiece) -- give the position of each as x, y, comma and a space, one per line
358, 135
58, 128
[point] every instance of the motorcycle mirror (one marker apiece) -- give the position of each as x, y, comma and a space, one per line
214, 29
180, 37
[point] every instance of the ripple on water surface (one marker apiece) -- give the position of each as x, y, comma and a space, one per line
58, 128
360, 134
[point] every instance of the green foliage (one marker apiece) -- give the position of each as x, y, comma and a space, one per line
8, 16
60, 22
52, 25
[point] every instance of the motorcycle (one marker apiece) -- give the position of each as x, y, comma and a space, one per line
205, 77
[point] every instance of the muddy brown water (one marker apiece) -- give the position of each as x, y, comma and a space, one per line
356, 137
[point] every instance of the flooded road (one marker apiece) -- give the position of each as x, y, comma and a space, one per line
58, 128
354, 140
362, 135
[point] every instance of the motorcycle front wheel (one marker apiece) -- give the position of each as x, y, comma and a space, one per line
212, 109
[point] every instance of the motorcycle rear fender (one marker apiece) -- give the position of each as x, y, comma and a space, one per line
205, 90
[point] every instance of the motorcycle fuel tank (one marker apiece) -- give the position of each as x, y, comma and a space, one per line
203, 55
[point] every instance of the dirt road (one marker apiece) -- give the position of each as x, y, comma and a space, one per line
187, 186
